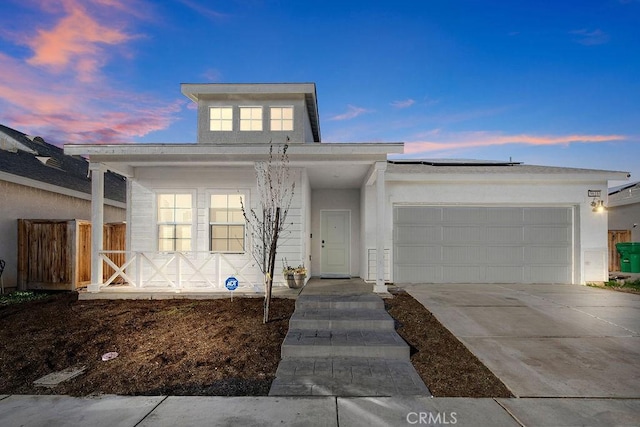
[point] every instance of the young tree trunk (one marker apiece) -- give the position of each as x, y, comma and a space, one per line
272, 265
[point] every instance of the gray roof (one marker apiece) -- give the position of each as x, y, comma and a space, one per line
621, 188
34, 158
490, 167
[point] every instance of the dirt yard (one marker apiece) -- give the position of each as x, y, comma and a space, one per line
196, 347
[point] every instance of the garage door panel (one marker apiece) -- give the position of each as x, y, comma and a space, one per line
419, 254
483, 244
547, 216
504, 274
464, 273
424, 273
461, 233
548, 274
417, 215
538, 234
505, 216
509, 235
504, 255
547, 255
464, 255
464, 215
418, 233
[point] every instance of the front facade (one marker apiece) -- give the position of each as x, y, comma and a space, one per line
433, 222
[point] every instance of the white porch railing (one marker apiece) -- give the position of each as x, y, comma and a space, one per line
179, 270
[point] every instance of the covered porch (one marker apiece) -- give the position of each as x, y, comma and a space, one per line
320, 168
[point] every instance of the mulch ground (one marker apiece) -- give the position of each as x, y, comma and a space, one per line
446, 366
196, 347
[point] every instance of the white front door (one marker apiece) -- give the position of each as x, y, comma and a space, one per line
335, 232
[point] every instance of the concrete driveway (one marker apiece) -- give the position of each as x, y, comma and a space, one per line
545, 340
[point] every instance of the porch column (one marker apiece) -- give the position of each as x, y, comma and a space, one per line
380, 167
97, 223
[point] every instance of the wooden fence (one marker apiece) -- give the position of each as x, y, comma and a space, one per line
616, 236
56, 254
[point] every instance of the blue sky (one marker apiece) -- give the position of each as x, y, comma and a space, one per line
542, 82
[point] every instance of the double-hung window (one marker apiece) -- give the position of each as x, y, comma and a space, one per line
281, 118
220, 118
226, 223
251, 118
175, 222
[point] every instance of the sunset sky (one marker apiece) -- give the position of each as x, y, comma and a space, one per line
542, 82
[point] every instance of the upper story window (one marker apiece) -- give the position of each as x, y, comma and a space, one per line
226, 223
281, 118
220, 118
251, 118
175, 222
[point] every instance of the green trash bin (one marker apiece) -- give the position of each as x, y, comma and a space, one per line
634, 262
629, 257
625, 262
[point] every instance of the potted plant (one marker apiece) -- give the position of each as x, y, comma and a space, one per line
294, 275
300, 273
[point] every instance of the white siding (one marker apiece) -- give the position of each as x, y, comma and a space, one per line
202, 182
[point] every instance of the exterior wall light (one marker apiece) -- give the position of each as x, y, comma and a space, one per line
598, 206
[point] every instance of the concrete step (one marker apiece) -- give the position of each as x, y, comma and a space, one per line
348, 343
347, 377
340, 301
341, 319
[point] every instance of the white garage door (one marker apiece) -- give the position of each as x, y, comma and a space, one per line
457, 244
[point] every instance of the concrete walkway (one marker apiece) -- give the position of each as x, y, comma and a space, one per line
342, 342
327, 351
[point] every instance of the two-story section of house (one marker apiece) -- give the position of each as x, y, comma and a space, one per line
186, 231
255, 113
354, 213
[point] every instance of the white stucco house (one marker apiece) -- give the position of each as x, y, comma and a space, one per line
434, 221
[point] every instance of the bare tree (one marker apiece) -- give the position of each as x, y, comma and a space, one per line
267, 221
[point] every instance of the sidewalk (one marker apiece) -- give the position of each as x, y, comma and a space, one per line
312, 411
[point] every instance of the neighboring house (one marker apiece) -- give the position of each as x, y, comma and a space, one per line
434, 221
38, 181
624, 219
624, 210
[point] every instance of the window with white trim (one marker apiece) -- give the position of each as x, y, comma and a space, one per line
281, 118
251, 118
175, 222
220, 118
226, 223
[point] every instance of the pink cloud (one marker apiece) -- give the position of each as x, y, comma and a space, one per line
437, 141
74, 42
352, 113
53, 93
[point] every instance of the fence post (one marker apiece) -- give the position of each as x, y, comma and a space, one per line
179, 270
138, 269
